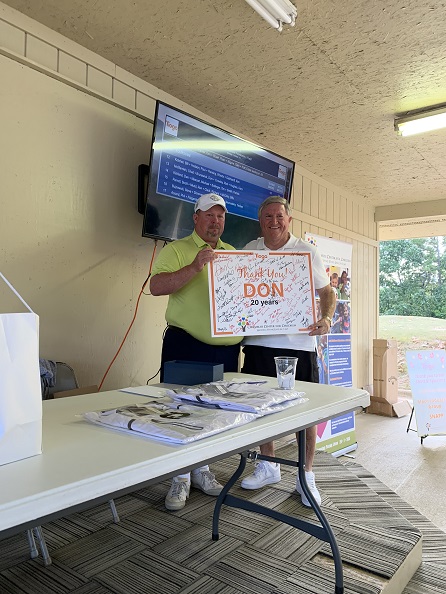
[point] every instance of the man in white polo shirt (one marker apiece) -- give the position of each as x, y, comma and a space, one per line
275, 219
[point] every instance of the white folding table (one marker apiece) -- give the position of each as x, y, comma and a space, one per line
84, 464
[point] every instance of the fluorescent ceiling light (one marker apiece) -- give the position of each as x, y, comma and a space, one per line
275, 12
423, 121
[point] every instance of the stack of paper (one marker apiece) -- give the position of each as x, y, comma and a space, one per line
243, 396
170, 422
198, 411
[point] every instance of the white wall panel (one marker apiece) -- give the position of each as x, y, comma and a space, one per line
322, 203
72, 68
314, 199
41, 52
336, 209
297, 192
145, 105
12, 38
330, 206
306, 195
124, 94
352, 211
99, 81
342, 207
359, 223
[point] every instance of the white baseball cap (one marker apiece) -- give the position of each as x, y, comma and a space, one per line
207, 201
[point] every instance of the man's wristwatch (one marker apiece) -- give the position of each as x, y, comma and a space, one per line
330, 321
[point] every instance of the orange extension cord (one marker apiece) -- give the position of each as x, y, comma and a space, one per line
134, 318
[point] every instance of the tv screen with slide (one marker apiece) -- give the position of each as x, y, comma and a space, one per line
189, 158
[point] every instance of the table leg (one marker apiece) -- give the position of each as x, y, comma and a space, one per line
41, 540
339, 575
32, 544
221, 498
323, 532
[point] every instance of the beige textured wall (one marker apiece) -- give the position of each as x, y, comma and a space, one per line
70, 232
74, 129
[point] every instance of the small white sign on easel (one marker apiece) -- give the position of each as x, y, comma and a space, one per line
427, 373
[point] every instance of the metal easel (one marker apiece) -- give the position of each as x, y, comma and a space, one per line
409, 428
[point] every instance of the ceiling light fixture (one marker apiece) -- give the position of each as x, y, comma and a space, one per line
276, 12
432, 118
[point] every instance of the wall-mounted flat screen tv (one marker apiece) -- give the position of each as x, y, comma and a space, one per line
189, 158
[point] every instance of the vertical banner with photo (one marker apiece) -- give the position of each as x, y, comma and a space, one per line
336, 436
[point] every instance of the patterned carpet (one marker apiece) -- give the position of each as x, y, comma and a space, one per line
152, 551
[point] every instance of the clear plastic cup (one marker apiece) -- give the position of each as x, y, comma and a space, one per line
286, 372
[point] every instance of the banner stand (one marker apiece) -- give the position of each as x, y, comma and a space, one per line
337, 436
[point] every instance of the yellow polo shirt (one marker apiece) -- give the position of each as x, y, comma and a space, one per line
189, 307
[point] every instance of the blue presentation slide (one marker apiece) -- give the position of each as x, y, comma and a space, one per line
192, 158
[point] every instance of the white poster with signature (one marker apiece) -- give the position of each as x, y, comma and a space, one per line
259, 292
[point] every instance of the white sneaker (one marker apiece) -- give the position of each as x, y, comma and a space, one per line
265, 473
206, 482
178, 493
311, 482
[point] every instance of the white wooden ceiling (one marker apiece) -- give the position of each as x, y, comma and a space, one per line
324, 93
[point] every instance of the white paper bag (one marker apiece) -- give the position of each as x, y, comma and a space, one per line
20, 391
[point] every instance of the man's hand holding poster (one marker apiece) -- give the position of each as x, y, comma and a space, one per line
260, 292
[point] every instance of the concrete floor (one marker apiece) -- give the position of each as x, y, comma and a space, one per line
417, 473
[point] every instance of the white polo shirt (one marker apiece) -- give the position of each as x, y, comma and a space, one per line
300, 341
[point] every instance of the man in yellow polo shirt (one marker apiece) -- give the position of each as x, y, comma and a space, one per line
180, 272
